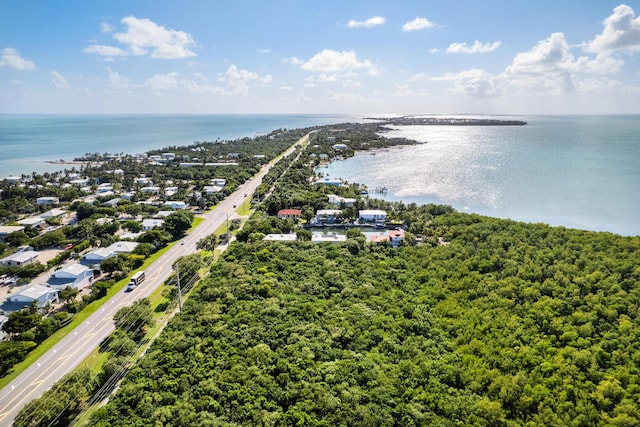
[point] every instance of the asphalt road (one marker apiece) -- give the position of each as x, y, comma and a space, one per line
77, 345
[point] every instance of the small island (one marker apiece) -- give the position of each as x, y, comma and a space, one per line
449, 121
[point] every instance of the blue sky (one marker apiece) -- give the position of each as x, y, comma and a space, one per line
299, 56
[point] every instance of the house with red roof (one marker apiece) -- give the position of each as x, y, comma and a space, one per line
293, 214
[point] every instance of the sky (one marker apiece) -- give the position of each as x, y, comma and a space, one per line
317, 57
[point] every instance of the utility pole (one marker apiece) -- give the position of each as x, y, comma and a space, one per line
179, 290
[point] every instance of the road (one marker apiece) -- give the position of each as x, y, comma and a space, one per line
77, 345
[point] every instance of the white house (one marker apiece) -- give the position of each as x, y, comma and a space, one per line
281, 237
150, 224
38, 293
174, 204
328, 238
150, 189
329, 181
339, 147
372, 215
47, 201
75, 275
20, 259
218, 181
32, 221
13, 179
143, 181
338, 200
327, 215
53, 213
80, 182
5, 230
100, 254
211, 189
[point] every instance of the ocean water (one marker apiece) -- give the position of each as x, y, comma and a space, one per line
574, 171
27, 142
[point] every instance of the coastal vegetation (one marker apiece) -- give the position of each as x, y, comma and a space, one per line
470, 321
505, 324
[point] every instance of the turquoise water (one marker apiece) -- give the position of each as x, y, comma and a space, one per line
580, 172
575, 171
27, 141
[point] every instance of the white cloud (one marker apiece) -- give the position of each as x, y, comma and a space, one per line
108, 52
106, 28
239, 79
143, 35
434, 50
417, 24
59, 80
477, 47
475, 83
163, 82
285, 88
402, 90
11, 58
293, 61
371, 22
621, 32
118, 81
332, 61
264, 50
340, 96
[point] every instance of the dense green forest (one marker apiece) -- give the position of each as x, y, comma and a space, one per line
500, 323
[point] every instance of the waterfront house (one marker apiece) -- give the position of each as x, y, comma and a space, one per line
327, 216
293, 214
20, 259
340, 147
329, 181
281, 237
372, 215
328, 238
339, 200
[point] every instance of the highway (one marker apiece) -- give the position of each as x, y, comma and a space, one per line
77, 345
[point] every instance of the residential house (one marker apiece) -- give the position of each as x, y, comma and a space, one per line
20, 259
53, 213
38, 293
293, 214
100, 254
32, 221
5, 230
393, 237
339, 200
281, 237
150, 189
328, 238
327, 216
329, 181
47, 201
75, 275
372, 215
174, 204
150, 224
